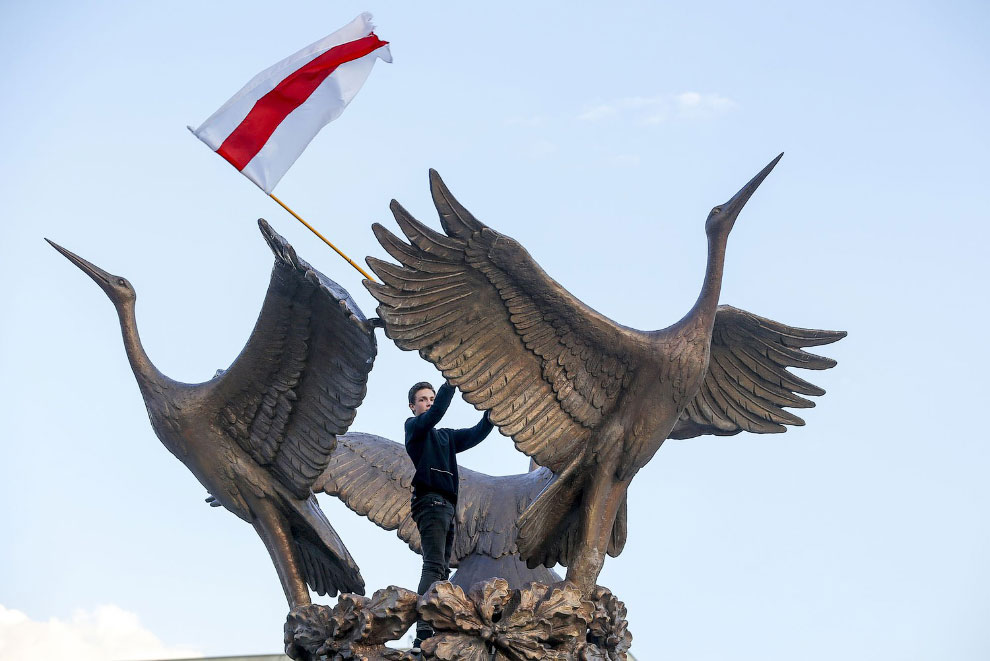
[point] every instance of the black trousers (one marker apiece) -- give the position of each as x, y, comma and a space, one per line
434, 517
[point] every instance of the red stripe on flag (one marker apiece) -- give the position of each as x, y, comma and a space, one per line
251, 134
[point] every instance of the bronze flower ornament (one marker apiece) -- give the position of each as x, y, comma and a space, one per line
536, 622
609, 638
357, 628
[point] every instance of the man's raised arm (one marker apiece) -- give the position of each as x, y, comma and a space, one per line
465, 439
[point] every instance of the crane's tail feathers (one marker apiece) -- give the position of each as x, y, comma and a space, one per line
327, 564
618, 539
327, 575
548, 528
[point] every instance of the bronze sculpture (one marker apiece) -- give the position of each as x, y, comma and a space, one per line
259, 433
582, 395
373, 477
589, 400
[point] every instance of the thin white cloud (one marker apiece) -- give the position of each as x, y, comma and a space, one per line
693, 104
661, 108
630, 103
598, 112
107, 633
526, 120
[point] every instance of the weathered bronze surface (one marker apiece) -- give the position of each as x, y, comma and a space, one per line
356, 628
259, 433
373, 477
488, 621
588, 398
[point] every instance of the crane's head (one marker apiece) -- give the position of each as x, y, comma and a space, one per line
723, 217
117, 288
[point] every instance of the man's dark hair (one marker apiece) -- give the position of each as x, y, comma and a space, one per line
422, 385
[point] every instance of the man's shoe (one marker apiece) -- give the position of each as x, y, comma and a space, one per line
423, 631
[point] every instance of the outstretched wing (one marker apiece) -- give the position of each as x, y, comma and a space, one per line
303, 373
373, 477
747, 383
476, 305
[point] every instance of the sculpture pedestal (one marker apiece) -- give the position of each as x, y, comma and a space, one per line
488, 622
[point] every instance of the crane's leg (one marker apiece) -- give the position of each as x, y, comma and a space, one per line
600, 504
274, 532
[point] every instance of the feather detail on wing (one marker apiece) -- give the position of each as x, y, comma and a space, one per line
373, 476
303, 373
475, 304
747, 383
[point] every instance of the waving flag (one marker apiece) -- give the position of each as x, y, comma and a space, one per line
264, 128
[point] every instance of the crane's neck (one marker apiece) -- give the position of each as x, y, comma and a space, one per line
144, 370
702, 315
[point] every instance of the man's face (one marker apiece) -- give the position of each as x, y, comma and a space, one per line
422, 400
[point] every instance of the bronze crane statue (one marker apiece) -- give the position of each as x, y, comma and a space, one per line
259, 433
588, 398
373, 477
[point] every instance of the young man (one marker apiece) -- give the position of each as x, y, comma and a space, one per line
434, 454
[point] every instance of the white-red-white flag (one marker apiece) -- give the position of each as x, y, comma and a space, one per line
264, 128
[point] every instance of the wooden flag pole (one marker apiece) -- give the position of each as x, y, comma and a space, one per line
313, 230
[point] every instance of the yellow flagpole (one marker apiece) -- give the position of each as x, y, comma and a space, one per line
313, 230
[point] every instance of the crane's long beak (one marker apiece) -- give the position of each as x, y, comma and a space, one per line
101, 277
739, 200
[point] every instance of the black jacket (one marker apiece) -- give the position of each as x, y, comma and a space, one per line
434, 451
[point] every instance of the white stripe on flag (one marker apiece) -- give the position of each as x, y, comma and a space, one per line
302, 124
295, 133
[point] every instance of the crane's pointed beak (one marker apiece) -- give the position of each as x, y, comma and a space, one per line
739, 200
101, 277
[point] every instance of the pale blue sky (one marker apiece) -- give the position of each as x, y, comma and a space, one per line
599, 138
